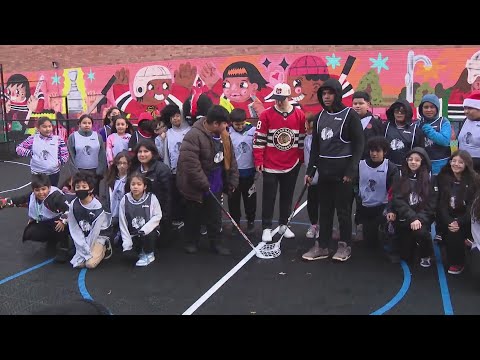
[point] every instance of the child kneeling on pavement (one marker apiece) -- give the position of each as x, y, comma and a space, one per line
47, 213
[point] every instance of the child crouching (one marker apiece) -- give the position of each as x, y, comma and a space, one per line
87, 222
139, 216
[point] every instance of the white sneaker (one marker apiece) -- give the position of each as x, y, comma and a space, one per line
313, 231
267, 235
288, 233
145, 259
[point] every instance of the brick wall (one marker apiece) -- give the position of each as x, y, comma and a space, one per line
22, 58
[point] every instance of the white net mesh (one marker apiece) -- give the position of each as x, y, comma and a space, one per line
269, 251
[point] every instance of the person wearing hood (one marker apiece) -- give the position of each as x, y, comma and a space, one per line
171, 150
337, 146
144, 131
202, 169
401, 133
414, 200
469, 136
437, 130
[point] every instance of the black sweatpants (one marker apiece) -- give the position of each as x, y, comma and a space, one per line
287, 183
145, 243
409, 239
312, 204
207, 213
335, 195
249, 202
455, 243
178, 202
371, 218
44, 231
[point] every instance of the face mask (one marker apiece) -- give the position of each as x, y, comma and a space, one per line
82, 194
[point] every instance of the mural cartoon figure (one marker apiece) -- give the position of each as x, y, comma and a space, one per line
20, 99
468, 81
153, 88
241, 86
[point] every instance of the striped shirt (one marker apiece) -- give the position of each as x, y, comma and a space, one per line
25, 148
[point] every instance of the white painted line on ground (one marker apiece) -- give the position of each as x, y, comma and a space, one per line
232, 272
21, 187
15, 162
18, 188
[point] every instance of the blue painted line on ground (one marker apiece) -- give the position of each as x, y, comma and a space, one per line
14, 276
407, 278
442, 279
81, 285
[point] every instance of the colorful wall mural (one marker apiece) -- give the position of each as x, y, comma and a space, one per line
242, 82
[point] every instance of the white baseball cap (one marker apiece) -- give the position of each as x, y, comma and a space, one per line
280, 92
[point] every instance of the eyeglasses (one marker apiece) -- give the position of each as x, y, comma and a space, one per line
399, 111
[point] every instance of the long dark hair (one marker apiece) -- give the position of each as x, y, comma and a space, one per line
112, 172
446, 178
150, 146
128, 130
422, 185
106, 119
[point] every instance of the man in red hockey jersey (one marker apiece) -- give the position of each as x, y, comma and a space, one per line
278, 153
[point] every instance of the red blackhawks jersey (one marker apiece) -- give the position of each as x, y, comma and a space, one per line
278, 141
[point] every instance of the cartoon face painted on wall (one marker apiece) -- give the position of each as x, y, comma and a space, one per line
305, 76
241, 81
152, 84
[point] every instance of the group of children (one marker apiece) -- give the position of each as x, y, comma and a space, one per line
129, 186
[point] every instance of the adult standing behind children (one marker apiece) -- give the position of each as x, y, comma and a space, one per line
87, 150
202, 168
171, 150
49, 152
337, 146
146, 161
278, 154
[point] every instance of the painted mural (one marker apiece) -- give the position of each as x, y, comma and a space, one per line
240, 82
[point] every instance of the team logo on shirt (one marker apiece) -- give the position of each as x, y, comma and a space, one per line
242, 148
87, 150
138, 222
85, 226
326, 133
371, 185
428, 142
396, 144
45, 154
283, 139
177, 148
468, 137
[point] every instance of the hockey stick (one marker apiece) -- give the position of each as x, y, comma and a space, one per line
36, 92
273, 250
258, 252
102, 94
347, 88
